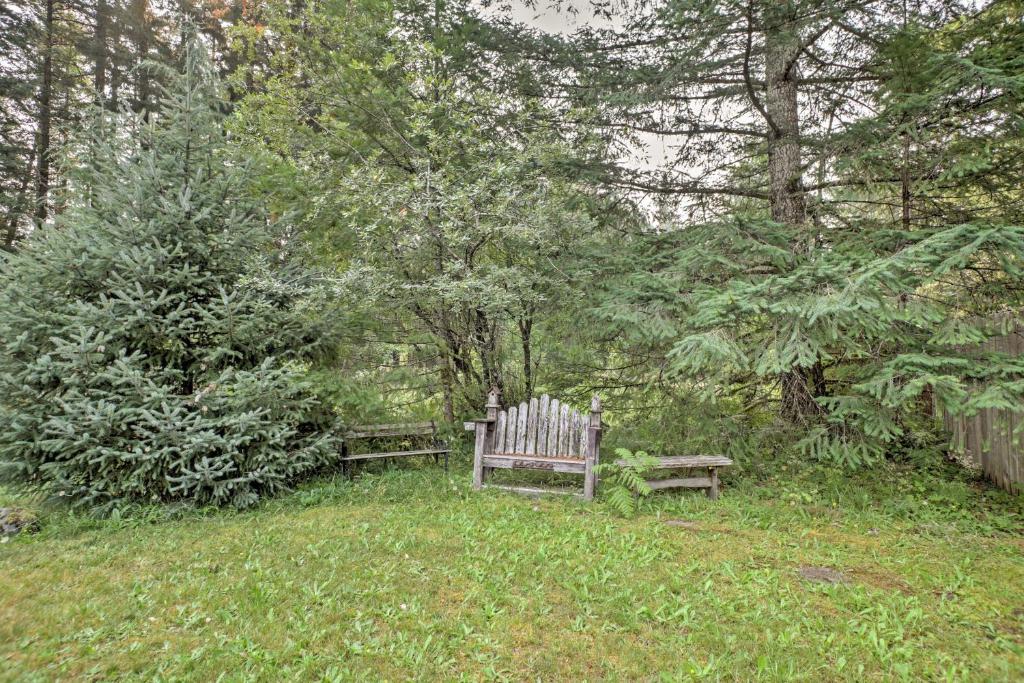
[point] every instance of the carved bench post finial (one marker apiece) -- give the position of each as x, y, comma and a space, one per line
595, 411
493, 403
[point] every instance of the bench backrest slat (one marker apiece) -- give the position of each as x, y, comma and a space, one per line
531, 428
541, 426
510, 430
499, 433
524, 409
552, 447
386, 430
563, 429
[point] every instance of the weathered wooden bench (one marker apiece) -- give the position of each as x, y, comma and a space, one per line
689, 462
543, 434
406, 440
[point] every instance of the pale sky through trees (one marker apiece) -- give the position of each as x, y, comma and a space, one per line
566, 17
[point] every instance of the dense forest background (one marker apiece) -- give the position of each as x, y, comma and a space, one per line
829, 221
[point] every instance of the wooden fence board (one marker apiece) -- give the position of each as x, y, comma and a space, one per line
992, 437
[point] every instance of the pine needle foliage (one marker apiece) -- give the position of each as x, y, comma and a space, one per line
140, 362
910, 258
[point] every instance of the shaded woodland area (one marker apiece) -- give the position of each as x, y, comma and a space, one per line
455, 200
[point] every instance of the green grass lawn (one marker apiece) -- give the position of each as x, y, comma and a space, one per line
406, 574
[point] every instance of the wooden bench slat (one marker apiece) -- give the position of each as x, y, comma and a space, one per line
552, 418
385, 435
672, 461
392, 454
521, 417
542, 425
499, 432
430, 424
510, 430
681, 482
542, 459
532, 462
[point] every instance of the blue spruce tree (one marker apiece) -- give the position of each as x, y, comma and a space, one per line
140, 362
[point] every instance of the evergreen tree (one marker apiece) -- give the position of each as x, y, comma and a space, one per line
909, 251
140, 362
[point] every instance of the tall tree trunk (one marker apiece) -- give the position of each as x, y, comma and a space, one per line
45, 121
787, 195
447, 386
140, 16
100, 49
526, 335
905, 195
14, 214
485, 342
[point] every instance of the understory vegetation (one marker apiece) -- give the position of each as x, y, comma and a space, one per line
749, 226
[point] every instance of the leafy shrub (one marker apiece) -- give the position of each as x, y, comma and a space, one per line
139, 363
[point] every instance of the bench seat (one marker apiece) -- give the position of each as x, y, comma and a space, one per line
523, 461
674, 462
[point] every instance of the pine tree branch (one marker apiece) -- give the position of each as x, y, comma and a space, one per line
746, 73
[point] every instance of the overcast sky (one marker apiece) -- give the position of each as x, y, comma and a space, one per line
653, 152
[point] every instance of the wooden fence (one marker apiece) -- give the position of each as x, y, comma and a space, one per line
988, 437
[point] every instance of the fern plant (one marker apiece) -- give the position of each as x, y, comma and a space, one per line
626, 479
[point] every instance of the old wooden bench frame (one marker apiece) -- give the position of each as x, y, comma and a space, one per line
689, 462
410, 431
543, 434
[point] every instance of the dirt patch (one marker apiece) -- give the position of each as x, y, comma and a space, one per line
881, 579
825, 575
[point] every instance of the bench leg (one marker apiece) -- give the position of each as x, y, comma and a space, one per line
446, 463
478, 456
589, 480
713, 489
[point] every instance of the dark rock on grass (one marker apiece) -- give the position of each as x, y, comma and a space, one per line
14, 521
822, 575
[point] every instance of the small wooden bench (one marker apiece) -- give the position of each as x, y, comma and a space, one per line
689, 462
542, 434
417, 438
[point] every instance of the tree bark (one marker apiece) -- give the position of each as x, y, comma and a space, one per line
526, 334
100, 56
140, 15
447, 387
787, 195
45, 121
14, 213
